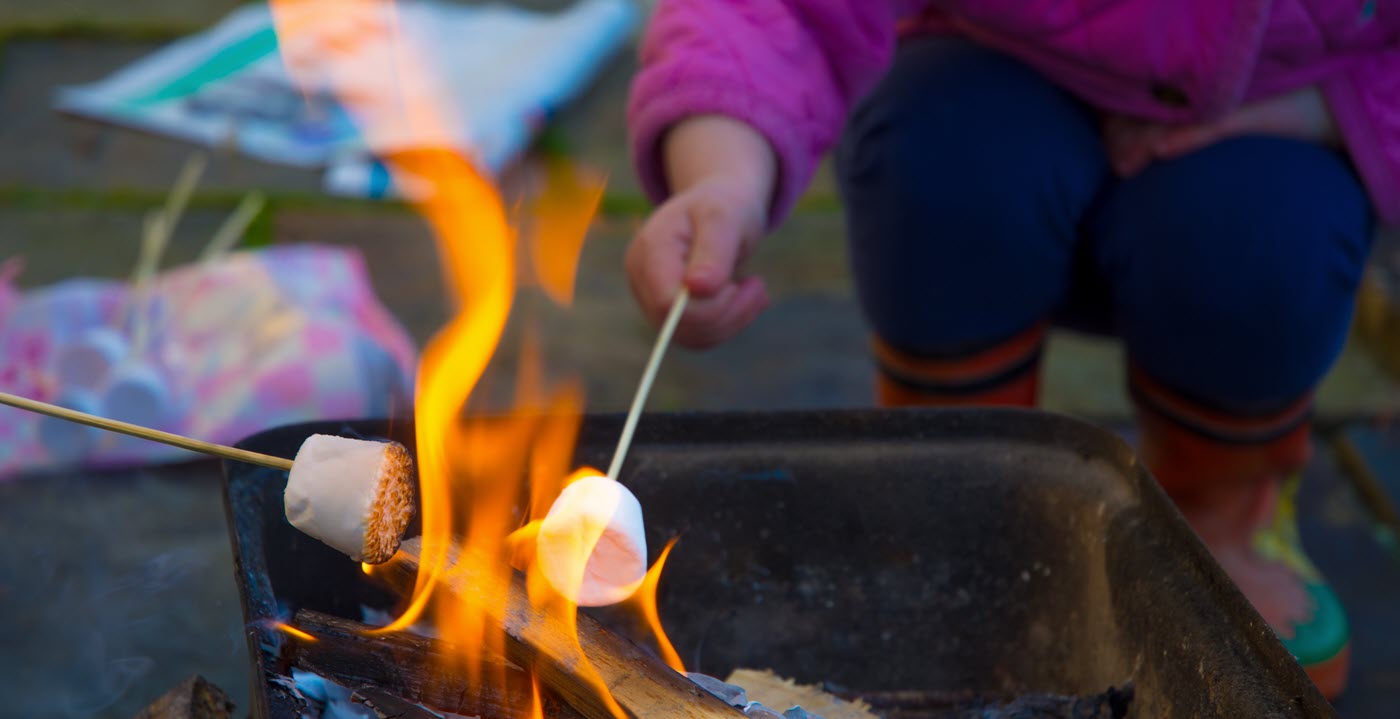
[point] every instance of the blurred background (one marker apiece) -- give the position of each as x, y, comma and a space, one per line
116, 581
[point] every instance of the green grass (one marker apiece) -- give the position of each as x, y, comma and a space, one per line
128, 30
79, 29
137, 199
24, 197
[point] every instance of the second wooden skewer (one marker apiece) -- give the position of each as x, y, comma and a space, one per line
155, 435
663, 340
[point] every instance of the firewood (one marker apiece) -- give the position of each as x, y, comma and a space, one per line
416, 668
193, 698
640, 683
775, 692
390, 706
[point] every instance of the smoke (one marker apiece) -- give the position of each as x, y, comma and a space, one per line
113, 677
113, 588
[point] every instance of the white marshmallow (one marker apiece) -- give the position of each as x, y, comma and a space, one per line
89, 359
355, 495
139, 394
70, 442
592, 546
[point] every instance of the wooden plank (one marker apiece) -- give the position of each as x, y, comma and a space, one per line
641, 684
781, 694
193, 698
416, 668
387, 705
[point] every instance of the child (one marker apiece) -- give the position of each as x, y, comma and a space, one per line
1199, 177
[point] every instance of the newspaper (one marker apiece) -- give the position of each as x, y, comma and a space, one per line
500, 72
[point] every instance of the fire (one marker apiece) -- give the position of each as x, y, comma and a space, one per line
292, 631
536, 706
644, 602
484, 482
560, 218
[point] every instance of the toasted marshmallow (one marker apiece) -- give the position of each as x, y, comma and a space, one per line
355, 495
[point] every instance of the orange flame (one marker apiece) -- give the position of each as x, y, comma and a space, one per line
476, 242
564, 613
473, 471
536, 706
644, 601
559, 220
294, 632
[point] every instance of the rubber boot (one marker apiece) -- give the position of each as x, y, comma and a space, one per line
1226, 474
1005, 374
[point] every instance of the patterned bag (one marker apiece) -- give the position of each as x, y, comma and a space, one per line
215, 351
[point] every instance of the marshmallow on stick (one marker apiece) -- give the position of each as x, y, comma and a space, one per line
355, 495
592, 546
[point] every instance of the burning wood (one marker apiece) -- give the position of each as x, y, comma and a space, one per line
353, 494
472, 473
388, 706
408, 666
413, 667
560, 655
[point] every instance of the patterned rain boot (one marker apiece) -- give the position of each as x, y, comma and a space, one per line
1322, 644
1005, 374
1222, 471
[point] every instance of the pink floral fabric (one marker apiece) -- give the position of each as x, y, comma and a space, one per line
254, 340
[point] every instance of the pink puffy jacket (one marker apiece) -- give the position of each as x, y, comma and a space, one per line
792, 68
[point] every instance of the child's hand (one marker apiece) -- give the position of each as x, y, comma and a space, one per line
722, 174
1134, 144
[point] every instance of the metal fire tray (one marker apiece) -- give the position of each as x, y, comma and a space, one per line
991, 551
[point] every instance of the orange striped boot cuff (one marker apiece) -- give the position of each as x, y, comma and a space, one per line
1189, 446
1006, 373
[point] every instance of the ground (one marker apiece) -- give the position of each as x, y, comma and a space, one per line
115, 586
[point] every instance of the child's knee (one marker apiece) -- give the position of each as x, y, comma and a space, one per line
1235, 270
951, 144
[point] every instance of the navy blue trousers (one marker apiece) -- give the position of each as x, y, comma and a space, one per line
980, 203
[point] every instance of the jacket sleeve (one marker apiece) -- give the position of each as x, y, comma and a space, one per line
1365, 102
788, 68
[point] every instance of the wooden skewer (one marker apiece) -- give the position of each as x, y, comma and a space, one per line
155, 435
233, 228
155, 237
658, 350
668, 328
